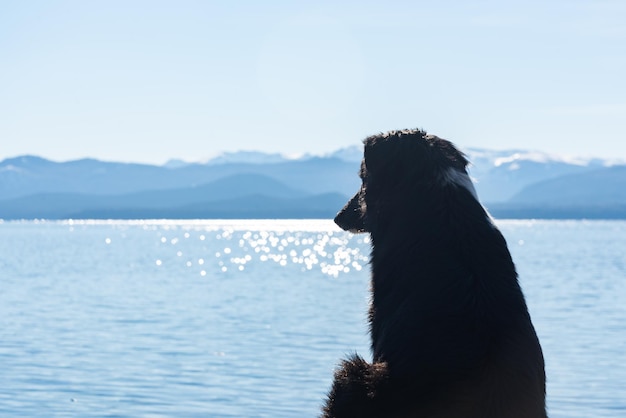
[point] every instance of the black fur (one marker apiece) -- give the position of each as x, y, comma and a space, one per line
450, 331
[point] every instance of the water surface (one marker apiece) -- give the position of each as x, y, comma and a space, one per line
249, 318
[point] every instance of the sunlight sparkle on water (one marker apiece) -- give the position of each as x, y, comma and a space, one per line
314, 245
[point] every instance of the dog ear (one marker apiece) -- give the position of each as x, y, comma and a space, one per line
451, 156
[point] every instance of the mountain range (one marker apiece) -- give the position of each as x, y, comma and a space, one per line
247, 184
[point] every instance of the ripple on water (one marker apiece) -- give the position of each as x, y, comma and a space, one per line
123, 317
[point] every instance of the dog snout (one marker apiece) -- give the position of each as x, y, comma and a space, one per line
350, 218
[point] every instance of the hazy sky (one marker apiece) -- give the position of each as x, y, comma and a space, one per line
150, 80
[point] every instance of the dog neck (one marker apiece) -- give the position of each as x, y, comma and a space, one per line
446, 246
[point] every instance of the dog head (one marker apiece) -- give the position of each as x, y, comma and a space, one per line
401, 169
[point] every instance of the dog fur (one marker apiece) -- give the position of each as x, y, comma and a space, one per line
451, 335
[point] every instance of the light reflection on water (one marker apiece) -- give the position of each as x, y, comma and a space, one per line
248, 318
312, 244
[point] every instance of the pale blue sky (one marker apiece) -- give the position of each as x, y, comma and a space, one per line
150, 80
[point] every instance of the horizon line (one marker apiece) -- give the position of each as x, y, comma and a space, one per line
569, 158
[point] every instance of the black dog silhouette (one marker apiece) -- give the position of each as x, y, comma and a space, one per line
450, 331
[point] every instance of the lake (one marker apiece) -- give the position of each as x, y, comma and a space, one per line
249, 318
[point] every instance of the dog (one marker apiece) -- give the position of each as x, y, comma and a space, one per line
451, 336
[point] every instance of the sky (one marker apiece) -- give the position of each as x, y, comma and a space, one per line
148, 81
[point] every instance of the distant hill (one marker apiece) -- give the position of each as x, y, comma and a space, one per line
322, 206
605, 186
595, 194
218, 195
512, 183
27, 175
500, 175
24, 176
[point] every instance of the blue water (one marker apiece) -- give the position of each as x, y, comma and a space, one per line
249, 318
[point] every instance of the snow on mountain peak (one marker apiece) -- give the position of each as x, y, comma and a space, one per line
513, 158
247, 157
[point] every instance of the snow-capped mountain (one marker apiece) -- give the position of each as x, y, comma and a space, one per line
501, 174
246, 157
509, 181
353, 153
